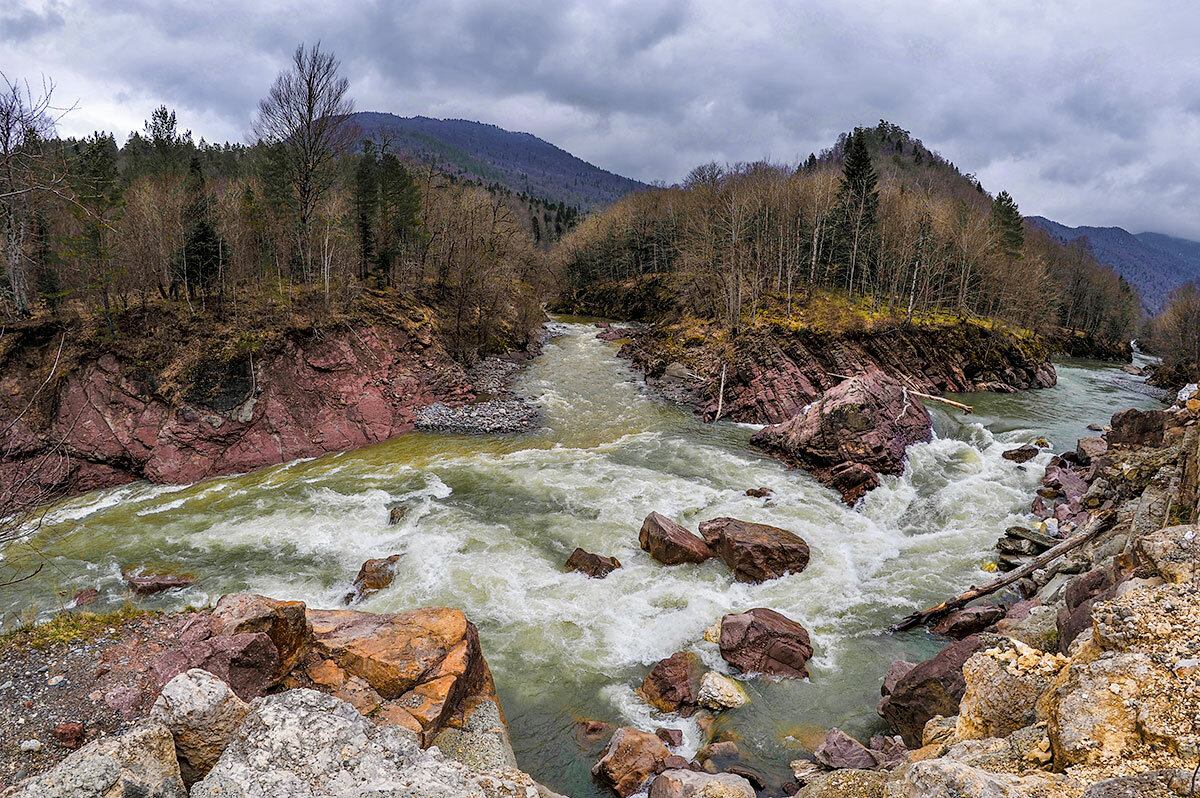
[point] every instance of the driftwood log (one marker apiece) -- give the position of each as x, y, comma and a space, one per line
1091, 529
919, 394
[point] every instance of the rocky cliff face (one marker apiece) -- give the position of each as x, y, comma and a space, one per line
104, 420
771, 375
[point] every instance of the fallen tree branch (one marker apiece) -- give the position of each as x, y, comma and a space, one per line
915, 392
1094, 527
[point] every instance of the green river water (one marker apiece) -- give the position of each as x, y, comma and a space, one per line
492, 519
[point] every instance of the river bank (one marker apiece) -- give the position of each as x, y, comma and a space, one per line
180, 398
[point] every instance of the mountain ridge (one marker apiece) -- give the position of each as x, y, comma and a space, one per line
488, 153
1154, 263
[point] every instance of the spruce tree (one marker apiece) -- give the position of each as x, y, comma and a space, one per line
858, 206
203, 251
1008, 226
366, 206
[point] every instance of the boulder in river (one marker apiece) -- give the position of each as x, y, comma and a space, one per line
758, 493
839, 750
373, 576
631, 759
146, 584
673, 684
868, 420
1022, 454
596, 566
755, 552
767, 642
670, 543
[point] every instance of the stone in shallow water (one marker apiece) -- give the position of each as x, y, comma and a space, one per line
1022, 454
767, 642
631, 759
755, 552
595, 566
670, 543
673, 684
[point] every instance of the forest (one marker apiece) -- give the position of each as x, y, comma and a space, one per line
307, 219
878, 218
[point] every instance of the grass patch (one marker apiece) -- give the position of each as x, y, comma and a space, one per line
68, 627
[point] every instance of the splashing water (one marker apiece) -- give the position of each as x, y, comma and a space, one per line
492, 520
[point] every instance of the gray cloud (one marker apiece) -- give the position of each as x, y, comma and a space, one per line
1086, 110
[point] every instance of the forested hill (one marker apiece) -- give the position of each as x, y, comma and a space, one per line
1154, 263
520, 161
878, 221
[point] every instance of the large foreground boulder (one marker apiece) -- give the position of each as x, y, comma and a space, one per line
755, 552
425, 665
933, 687
247, 662
140, 762
202, 714
767, 642
285, 622
856, 430
671, 544
304, 744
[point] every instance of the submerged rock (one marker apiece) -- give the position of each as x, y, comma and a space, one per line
767, 642
670, 543
145, 584
755, 552
594, 565
865, 422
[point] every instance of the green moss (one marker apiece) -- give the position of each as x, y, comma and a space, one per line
68, 627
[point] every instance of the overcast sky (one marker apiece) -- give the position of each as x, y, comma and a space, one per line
1087, 111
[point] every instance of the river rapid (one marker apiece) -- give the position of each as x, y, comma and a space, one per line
492, 519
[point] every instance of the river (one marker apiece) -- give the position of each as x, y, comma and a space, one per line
492, 520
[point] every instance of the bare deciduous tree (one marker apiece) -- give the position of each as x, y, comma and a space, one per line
307, 111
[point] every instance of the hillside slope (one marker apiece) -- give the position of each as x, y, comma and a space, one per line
1154, 263
490, 154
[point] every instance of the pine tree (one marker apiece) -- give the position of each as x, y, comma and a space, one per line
366, 206
399, 204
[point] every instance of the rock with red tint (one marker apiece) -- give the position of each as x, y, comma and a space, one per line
969, 620
285, 622
306, 396
759, 493
670, 543
839, 750
127, 700
867, 421
755, 552
1134, 427
764, 641
247, 662
69, 735
145, 584
590, 732
677, 782
673, 684
85, 596
1066, 482
631, 759
373, 576
594, 565
1022, 454
933, 687
672, 737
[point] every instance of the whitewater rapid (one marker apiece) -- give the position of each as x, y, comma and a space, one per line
491, 521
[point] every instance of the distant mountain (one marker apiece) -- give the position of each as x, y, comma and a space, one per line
488, 154
1154, 263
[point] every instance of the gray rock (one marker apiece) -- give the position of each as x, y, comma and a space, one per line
689, 783
305, 744
482, 743
202, 714
140, 762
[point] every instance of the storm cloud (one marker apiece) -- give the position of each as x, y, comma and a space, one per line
1087, 111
